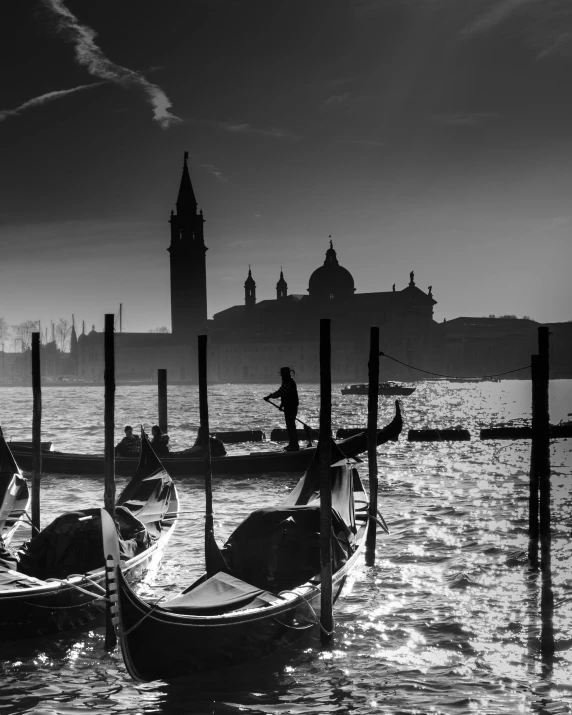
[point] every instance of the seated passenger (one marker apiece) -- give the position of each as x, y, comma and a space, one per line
130, 445
159, 442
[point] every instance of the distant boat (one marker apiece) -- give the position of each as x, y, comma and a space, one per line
384, 388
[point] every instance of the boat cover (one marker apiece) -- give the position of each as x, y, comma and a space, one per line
72, 544
219, 594
278, 548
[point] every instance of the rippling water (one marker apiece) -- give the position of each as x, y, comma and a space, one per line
447, 621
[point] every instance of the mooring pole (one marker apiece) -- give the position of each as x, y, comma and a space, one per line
205, 441
372, 410
162, 390
326, 612
109, 417
533, 525
543, 445
36, 433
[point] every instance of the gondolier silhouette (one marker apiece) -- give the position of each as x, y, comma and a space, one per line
288, 394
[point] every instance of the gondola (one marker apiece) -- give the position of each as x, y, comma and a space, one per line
260, 592
384, 389
57, 584
14, 495
185, 465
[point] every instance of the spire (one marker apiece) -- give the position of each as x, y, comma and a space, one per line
331, 256
249, 290
186, 202
281, 286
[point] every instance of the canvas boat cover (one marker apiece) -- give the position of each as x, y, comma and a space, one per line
72, 542
219, 594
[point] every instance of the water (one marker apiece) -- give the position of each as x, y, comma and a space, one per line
446, 622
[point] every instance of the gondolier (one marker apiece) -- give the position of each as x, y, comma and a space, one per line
288, 394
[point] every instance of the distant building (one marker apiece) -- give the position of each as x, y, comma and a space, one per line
250, 341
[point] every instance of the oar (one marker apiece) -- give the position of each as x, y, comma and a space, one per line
310, 431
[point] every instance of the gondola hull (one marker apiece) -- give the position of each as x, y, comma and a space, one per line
255, 463
187, 645
30, 607
33, 608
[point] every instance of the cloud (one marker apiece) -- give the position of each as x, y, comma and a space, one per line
493, 15
44, 99
217, 173
463, 119
336, 99
90, 56
244, 128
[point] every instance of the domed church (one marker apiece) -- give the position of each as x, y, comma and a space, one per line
250, 340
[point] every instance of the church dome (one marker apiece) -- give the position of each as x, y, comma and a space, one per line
331, 280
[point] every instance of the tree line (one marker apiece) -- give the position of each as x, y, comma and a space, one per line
19, 336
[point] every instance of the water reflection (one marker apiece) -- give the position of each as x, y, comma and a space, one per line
447, 621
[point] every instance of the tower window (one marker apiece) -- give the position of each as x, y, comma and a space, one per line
331, 296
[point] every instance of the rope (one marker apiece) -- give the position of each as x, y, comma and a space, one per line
454, 377
140, 621
316, 621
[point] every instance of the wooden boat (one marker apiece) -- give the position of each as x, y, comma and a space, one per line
384, 389
261, 591
14, 495
59, 576
192, 464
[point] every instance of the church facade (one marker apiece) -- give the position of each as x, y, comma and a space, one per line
250, 341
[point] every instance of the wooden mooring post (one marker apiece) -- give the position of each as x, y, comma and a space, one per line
541, 445
109, 416
205, 432
372, 413
162, 395
36, 433
326, 610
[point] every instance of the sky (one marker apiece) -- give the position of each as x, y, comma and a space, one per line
423, 135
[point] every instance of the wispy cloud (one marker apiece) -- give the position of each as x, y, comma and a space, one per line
493, 15
336, 99
463, 119
44, 99
90, 56
243, 128
214, 171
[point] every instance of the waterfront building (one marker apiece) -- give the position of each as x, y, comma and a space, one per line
249, 341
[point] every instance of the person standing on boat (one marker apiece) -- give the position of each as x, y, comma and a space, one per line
130, 445
288, 394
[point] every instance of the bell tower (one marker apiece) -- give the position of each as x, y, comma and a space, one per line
188, 265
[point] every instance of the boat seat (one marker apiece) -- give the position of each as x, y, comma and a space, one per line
219, 594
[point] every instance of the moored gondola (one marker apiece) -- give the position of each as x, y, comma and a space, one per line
57, 583
184, 465
260, 592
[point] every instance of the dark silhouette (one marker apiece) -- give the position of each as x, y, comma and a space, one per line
159, 441
130, 445
288, 394
217, 445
